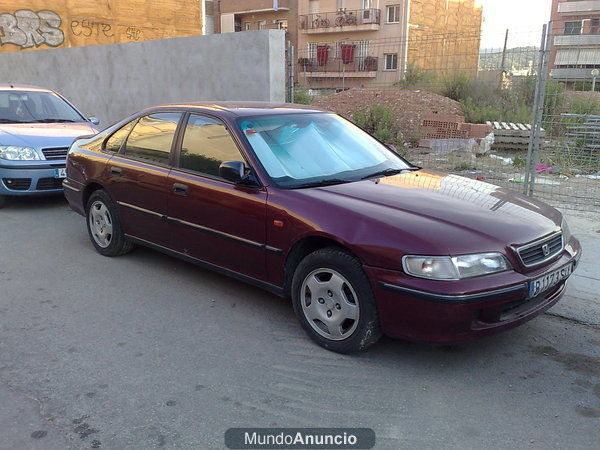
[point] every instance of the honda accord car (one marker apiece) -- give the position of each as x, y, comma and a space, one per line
37, 126
308, 206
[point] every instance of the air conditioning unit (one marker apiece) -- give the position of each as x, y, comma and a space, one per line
368, 16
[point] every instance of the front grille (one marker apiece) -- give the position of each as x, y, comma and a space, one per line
52, 154
533, 254
17, 184
46, 184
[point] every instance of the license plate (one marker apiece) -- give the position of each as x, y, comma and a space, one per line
60, 173
548, 281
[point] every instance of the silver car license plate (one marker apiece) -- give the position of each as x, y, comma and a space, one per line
551, 279
60, 173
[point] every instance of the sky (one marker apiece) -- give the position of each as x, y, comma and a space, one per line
524, 18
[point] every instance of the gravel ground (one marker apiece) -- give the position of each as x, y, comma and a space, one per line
145, 351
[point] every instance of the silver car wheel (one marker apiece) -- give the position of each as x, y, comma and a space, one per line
101, 224
330, 304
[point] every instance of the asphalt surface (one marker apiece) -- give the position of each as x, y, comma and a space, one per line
145, 351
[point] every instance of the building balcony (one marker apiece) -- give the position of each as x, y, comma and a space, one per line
253, 6
579, 7
343, 20
572, 74
359, 67
576, 40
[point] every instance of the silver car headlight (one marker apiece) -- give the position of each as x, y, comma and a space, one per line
455, 267
16, 153
566, 231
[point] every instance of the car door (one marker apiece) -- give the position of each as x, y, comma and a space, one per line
138, 177
215, 220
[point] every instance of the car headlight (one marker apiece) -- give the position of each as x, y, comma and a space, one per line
15, 153
566, 231
455, 267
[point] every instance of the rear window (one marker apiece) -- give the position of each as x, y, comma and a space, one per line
114, 143
152, 137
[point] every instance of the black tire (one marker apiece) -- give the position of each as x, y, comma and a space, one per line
2, 201
362, 334
118, 245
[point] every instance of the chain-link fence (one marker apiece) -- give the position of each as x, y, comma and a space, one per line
546, 130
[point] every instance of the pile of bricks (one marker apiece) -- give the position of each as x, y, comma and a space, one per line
450, 126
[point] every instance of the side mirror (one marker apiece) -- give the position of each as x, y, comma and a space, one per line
94, 121
234, 171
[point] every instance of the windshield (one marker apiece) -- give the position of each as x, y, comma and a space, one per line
35, 107
300, 150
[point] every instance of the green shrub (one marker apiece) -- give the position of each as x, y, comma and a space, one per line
584, 105
503, 111
381, 122
458, 86
414, 78
302, 97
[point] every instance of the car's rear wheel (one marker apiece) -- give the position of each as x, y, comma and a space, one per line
334, 301
104, 227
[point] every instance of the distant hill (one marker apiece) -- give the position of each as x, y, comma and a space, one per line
518, 58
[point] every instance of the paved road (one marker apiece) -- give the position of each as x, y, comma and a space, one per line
145, 351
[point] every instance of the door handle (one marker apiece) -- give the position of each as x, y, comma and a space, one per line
180, 189
116, 171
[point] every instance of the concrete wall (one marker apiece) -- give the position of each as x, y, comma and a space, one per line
113, 81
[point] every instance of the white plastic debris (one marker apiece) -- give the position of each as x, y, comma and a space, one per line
503, 161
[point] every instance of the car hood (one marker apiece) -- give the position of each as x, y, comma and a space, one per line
40, 135
434, 210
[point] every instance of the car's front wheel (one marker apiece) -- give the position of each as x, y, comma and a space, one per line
104, 227
334, 301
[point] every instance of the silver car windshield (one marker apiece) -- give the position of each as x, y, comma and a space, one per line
301, 150
35, 107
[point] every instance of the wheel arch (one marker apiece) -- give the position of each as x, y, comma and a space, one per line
302, 248
90, 188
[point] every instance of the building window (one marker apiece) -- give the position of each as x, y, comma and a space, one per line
340, 4
262, 25
247, 26
595, 26
391, 61
393, 14
366, 4
281, 24
573, 28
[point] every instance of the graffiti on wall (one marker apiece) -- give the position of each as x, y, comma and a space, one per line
27, 29
88, 28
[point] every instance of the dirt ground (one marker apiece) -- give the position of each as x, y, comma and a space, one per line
411, 107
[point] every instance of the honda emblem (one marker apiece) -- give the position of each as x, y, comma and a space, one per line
546, 249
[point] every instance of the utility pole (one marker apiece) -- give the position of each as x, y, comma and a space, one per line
503, 64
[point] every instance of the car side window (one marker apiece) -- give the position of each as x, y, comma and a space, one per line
206, 144
152, 137
115, 141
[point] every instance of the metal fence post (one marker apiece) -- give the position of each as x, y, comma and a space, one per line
538, 112
290, 72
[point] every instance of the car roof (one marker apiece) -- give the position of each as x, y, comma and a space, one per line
245, 109
23, 87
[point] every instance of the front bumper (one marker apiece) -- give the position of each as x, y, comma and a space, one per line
449, 312
34, 179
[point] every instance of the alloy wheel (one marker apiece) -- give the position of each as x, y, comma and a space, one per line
101, 224
330, 304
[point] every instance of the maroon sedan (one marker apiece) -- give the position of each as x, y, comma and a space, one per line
306, 205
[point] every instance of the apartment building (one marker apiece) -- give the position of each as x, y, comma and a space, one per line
575, 43
343, 43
